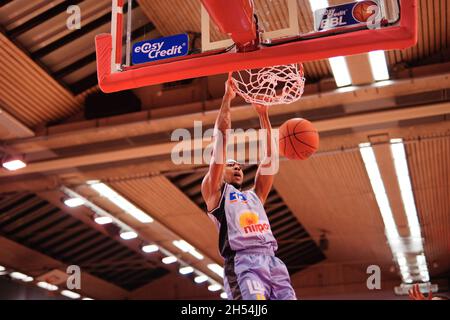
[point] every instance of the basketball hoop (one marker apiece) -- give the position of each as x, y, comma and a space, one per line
282, 84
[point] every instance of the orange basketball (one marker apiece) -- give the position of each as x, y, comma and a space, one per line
298, 139
362, 11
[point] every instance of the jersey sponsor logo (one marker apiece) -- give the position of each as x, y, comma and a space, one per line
250, 224
237, 196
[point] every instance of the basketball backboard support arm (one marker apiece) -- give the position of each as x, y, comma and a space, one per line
292, 29
399, 36
116, 33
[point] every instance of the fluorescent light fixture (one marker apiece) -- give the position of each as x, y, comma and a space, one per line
47, 286
28, 279
196, 254
408, 280
18, 275
340, 71
200, 279
127, 235
422, 268
121, 202
378, 65
401, 260
169, 260
224, 295
421, 260
70, 294
186, 247
13, 165
383, 83
150, 248
182, 245
214, 287
374, 174
318, 4
214, 267
103, 220
74, 202
2, 268
404, 269
409, 269
401, 169
186, 270
87, 298
405, 274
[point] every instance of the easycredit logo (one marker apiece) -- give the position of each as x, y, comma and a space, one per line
250, 224
162, 48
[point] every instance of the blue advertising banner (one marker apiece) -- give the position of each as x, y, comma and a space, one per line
348, 14
161, 48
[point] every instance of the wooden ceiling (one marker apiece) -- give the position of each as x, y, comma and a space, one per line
49, 70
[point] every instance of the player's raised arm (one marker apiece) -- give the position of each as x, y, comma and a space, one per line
213, 180
264, 175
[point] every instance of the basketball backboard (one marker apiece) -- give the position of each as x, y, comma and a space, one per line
202, 37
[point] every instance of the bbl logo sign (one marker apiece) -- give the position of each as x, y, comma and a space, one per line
349, 14
162, 48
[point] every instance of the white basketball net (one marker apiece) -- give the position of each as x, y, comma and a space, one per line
270, 85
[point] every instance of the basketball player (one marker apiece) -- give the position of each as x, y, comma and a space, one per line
246, 242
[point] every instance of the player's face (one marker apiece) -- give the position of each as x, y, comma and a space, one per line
233, 174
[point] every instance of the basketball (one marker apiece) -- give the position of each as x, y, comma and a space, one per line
298, 139
362, 11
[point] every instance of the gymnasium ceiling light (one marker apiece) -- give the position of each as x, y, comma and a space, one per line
121, 202
378, 65
103, 220
150, 248
419, 265
13, 163
73, 202
47, 286
402, 172
318, 4
214, 267
70, 294
340, 71
200, 279
169, 260
373, 171
408, 251
186, 247
128, 235
20, 276
214, 287
224, 295
186, 270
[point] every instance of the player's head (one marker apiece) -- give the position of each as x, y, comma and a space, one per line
233, 173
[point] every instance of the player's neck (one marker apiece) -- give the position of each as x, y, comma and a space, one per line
237, 186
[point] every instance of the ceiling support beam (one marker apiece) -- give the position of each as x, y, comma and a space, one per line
165, 149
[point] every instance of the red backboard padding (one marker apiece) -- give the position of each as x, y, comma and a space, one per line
401, 36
